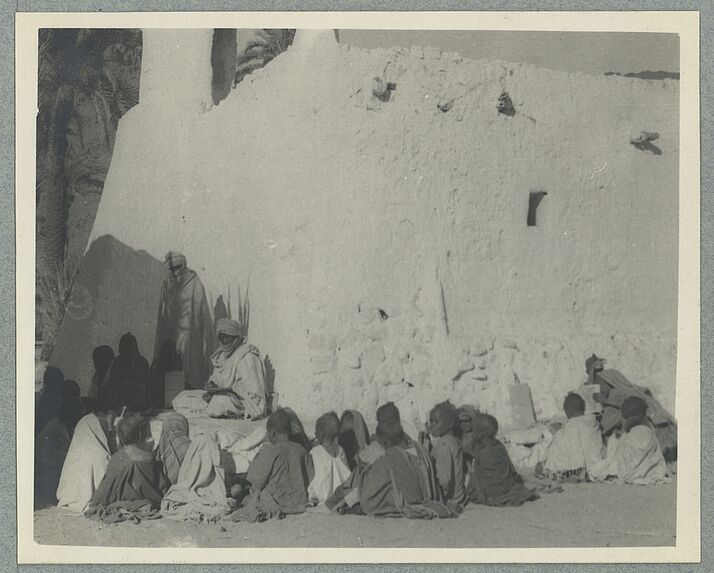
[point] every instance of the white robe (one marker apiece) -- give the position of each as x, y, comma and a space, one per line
578, 444
330, 473
638, 456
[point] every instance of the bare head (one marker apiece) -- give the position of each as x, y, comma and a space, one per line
327, 428
135, 431
390, 432
634, 412
388, 412
442, 419
573, 405
485, 426
279, 427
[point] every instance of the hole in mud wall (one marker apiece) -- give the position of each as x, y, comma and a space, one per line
534, 199
224, 53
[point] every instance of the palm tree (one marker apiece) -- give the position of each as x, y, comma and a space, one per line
264, 47
77, 69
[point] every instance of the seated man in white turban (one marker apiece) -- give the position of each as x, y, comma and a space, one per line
237, 386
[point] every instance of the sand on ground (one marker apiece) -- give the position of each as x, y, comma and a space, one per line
582, 515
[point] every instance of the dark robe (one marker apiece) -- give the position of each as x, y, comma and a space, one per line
278, 478
128, 480
184, 317
402, 483
279, 473
449, 463
493, 479
173, 445
354, 436
51, 448
127, 384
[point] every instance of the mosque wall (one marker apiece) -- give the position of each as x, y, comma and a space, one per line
383, 225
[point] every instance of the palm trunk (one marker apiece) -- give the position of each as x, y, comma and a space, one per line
55, 236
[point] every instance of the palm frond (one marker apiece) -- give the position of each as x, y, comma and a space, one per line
262, 49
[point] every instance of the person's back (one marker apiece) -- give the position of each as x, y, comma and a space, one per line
131, 478
133, 474
280, 472
494, 480
576, 450
402, 481
86, 461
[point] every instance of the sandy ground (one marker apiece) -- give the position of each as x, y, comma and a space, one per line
583, 515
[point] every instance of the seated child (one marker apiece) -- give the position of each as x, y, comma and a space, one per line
199, 492
93, 443
494, 480
297, 430
385, 413
447, 453
371, 487
277, 477
576, 452
133, 474
401, 482
638, 455
329, 467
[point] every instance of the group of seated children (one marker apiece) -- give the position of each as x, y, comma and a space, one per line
113, 471
106, 464
623, 434
578, 452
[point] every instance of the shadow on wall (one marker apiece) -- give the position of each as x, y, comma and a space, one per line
117, 290
270, 384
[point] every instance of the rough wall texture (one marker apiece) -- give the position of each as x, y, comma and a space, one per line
386, 241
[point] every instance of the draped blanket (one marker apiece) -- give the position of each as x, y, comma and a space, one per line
493, 479
398, 483
577, 445
401, 483
85, 465
200, 490
664, 424
638, 456
354, 435
173, 445
131, 480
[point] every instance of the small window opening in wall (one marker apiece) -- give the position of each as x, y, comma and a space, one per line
224, 54
534, 199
